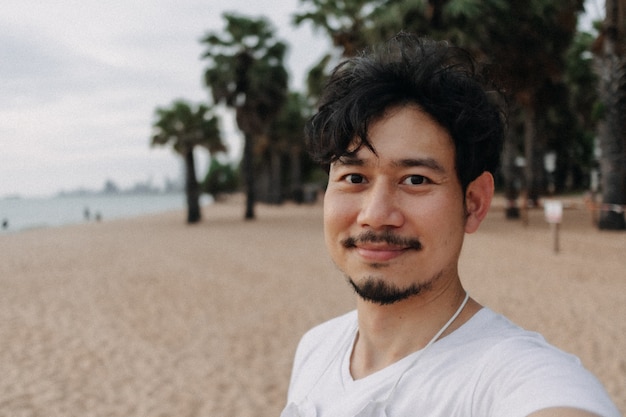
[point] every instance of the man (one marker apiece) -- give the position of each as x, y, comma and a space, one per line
411, 141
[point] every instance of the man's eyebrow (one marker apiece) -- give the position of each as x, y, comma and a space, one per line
419, 162
430, 163
349, 160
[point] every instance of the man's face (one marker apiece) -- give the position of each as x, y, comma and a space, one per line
394, 221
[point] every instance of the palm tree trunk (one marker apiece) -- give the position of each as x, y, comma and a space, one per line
510, 176
296, 174
192, 190
275, 191
612, 130
534, 165
248, 168
612, 167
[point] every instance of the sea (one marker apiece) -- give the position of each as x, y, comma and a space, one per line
23, 213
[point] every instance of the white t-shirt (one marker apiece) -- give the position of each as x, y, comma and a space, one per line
489, 367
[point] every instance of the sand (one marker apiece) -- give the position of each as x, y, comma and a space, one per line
151, 317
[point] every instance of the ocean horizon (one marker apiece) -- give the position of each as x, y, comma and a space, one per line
24, 213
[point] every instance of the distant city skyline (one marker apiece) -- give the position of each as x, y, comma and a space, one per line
141, 187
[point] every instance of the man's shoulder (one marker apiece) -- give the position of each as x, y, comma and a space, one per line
327, 338
525, 370
492, 328
497, 340
329, 333
317, 349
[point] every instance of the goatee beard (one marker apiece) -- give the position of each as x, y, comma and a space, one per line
377, 291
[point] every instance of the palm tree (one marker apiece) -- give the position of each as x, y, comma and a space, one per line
184, 127
345, 22
576, 156
286, 137
246, 72
611, 57
543, 32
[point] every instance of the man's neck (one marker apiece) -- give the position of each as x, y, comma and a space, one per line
391, 332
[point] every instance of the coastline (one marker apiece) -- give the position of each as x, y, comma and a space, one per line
19, 214
150, 316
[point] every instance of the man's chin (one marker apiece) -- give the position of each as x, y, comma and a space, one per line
378, 291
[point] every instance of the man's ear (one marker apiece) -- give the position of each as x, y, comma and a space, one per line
478, 200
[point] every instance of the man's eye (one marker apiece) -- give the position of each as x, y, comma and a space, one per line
415, 180
355, 179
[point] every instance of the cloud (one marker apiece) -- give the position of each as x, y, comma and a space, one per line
80, 80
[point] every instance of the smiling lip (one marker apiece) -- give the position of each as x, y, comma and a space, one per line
380, 253
381, 247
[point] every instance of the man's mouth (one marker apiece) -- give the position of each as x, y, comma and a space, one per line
381, 247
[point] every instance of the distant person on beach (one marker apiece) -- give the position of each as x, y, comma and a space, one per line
411, 136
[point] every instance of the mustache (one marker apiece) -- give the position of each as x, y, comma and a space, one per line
385, 237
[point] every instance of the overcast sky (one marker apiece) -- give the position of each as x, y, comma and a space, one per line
80, 79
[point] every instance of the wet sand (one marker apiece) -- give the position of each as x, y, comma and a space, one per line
151, 317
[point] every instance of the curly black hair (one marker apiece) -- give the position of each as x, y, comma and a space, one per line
441, 79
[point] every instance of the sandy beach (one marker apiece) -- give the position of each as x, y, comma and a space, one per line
150, 317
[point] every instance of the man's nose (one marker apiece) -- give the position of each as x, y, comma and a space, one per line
380, 207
